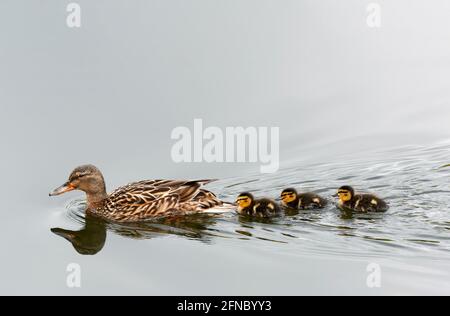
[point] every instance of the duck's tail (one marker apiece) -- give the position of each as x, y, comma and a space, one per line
204, 181
224, 208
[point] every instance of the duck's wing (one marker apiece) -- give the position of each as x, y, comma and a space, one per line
153, 197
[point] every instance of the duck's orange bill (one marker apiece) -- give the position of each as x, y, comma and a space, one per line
66, 187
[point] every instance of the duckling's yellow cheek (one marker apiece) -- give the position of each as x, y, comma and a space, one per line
344, 197
243, 203
288, 198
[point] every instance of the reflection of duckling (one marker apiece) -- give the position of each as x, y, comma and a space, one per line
364, 203
248, 205
292, 199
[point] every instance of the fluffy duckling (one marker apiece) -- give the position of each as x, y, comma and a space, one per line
361, 202
248, 205
292, 199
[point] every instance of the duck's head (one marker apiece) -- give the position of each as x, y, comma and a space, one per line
86, 178
244, 200
289, 195
346, 193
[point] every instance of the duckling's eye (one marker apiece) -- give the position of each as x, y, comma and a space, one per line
243, 200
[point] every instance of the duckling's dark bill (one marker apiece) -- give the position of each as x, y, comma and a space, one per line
66, 187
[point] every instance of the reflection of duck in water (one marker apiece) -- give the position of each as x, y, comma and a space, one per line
91, 239
87, 241
195, 226
141, 200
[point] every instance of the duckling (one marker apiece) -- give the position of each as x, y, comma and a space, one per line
248, 205
141, 200
361, 202
292, 199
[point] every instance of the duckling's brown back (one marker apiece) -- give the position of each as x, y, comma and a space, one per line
265, 208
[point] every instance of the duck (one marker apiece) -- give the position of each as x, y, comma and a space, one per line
263, 207
141, 200
360, 202
290, 198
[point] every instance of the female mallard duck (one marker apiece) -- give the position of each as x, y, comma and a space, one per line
248, 205
362, 202
140, 200
292, 199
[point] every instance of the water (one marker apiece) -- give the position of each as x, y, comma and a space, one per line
324, 252
355, 105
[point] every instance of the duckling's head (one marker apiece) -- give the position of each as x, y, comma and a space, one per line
289, 195
346, 193
244, 200
88, 179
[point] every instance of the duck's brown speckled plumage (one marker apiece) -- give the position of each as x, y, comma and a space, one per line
142, 200
154, 198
